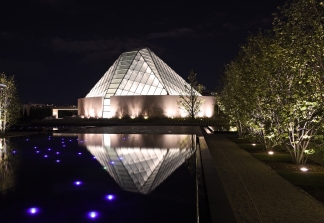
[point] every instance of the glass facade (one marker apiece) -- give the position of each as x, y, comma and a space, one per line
138, 72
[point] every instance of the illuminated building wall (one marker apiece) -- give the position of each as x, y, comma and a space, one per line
135, 73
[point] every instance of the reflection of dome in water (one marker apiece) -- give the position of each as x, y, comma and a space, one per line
134, 163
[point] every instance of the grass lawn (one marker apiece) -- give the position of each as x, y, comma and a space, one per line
275, 157
312, 181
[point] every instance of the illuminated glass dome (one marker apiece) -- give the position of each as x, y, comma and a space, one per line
137, 72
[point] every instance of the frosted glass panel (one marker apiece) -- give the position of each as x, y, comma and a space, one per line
139, 88
145, 77
145, 89
151, 91
134, 86
124, 93
128, 85
105, 114
111, 91
150, 80
139, 76
158, 91
155, 82
164, 92
113, 85
116, 81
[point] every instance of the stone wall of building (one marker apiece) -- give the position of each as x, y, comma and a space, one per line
155, 106
145, 106
90, 107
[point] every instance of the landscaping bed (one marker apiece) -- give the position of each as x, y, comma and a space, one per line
311, 181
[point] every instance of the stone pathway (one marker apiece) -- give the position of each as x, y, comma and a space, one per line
257, 193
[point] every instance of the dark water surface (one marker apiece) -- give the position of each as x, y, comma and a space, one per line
98, 178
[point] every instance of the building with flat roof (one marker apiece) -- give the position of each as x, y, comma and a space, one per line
139, 83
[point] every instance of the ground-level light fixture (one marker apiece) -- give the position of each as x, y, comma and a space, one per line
270, 152
253, 144
304, 169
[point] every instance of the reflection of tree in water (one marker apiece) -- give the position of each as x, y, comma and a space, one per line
191, 161
8, 163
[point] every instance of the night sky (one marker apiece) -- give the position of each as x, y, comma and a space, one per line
59, 49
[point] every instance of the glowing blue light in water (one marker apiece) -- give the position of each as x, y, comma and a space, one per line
49, 148
79, 153
110, 197
93, 214
57, 152
57, 161
33, 210
45, 156
94, 157
78, 183
37, 151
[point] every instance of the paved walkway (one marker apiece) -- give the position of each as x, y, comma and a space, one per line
257, 193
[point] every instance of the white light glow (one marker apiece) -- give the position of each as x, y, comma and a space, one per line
270, 152
304, 169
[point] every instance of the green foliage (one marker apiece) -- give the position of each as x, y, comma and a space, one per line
189, 100
273, 90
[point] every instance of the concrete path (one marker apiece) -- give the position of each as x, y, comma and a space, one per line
257, 193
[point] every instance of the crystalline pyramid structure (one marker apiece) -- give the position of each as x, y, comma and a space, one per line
138, 72
139, 168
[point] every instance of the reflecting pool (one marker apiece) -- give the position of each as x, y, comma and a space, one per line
98, 178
